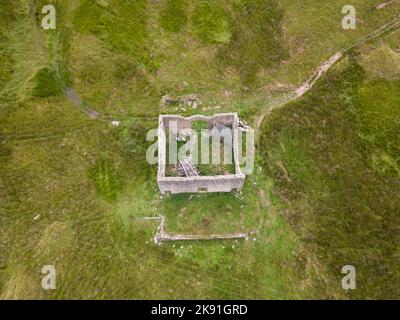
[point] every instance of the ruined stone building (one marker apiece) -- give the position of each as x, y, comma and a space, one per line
189, 180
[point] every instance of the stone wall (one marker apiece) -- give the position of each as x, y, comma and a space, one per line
221, 183
225, 183
162, 148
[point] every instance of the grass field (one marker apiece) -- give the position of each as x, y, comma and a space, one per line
334, 157
324, 192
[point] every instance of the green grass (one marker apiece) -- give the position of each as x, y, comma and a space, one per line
211, 23
106, 179
382, 63
47, 84
174, 16
24, 51
122, 26
250, 49
313, 33
378, 113
299, 164
317, 150
204, 169
72, 188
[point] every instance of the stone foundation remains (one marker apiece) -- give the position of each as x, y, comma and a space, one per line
194, 184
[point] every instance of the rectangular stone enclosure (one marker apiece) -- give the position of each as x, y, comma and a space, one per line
195, 184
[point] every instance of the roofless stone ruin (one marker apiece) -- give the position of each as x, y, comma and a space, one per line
215, 168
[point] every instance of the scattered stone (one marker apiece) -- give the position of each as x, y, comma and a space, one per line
227, 93
243, 126
166, 100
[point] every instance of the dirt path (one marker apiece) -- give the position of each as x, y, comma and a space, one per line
324, 67
296, 94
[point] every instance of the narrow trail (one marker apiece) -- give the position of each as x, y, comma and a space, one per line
323, 68
74, 98
296, 94
77, 101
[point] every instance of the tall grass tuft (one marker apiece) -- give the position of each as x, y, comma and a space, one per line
106, 179
36, 67
25, 44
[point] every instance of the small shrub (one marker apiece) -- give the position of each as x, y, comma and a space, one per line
47, 83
